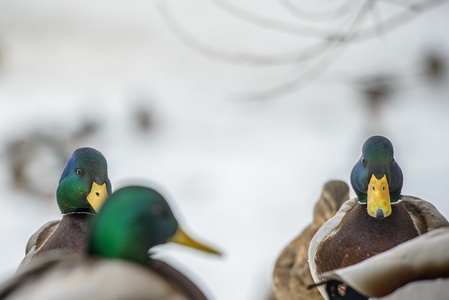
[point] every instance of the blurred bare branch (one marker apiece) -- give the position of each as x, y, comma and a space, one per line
190, 41
268, 23
318, 68
399, 3
292, 57
408, 13
320, 54
322, 16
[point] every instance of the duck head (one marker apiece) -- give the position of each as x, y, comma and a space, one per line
84, 183
376, 177
133, 220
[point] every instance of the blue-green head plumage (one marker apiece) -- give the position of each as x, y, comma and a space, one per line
377, 159
84, 183
133, 220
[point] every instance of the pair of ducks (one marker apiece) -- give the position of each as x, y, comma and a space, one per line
94, 253
346, 250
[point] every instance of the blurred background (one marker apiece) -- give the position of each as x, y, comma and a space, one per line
240, 112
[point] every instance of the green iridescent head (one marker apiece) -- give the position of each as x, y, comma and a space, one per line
377, 178
133, 220
84, 183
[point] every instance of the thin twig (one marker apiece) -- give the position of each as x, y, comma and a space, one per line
321, 16
410, 13
268, 23
190, 41
394, 22
317, 69
327, 49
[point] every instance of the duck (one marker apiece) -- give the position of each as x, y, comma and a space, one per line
416, 269
116, 264
291, 274
378, 219
83, 188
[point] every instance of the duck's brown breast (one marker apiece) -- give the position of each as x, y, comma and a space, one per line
361, 236
70, 236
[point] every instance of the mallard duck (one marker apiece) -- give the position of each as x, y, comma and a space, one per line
82, 189
116, 264
416, 269
291, 274
378, 219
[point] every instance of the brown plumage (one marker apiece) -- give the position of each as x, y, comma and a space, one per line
353, 236
291, 274
345, 247
65, 236
180, 282
417, 269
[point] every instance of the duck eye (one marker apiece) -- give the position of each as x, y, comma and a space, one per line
78, 172
159, 210
363, 161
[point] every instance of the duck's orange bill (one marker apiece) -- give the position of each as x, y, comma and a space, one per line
378, 199
97, 195
182, 238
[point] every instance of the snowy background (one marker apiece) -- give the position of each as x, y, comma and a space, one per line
171, 93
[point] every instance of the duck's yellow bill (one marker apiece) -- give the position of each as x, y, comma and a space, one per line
182, 238
97, 195
378, 198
